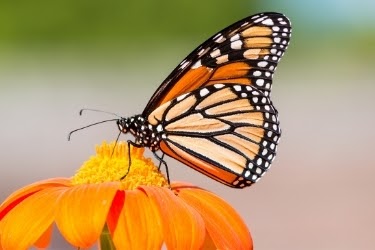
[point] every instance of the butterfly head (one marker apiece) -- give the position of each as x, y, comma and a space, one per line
146, 135
123, 125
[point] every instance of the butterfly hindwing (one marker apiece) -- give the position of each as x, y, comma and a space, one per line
227, 131
247, 52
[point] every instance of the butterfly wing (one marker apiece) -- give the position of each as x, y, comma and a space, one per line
247, 52
228, 132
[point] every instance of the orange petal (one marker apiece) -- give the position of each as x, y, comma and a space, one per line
45, 239
183, 227
28, 190
224, 225
139, 225
208, 243
29, 220
83, 210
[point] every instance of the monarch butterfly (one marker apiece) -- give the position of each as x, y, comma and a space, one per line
213, 112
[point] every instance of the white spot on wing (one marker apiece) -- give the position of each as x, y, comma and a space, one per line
237, 87
268, 22
236, 44
245, 23
197, 64
201, 51
203, 92
260, 82
159, 128
219, 39
219, 85
262, 64
184, 65
235, 38
217, 36
181, 97
260, 19
247, 173
215, 53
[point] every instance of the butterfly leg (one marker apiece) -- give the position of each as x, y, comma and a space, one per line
165, 164
130, 143
160, 162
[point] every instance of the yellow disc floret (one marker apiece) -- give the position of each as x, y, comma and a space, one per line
111, 163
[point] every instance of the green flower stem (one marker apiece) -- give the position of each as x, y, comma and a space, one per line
106, 240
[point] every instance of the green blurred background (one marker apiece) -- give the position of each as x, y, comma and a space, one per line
57, 57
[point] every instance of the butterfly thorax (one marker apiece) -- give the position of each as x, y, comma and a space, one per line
146, 134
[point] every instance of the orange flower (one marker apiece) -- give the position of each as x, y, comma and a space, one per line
137, 212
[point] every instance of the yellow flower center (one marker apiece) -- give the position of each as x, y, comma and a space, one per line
112, 164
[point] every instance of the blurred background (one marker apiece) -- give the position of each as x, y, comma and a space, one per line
60, 56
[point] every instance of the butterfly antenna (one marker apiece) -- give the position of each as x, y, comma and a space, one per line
116, 142
90, 125
100, 111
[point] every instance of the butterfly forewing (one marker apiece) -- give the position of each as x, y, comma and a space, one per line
246, 53
214, 112
226, 131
